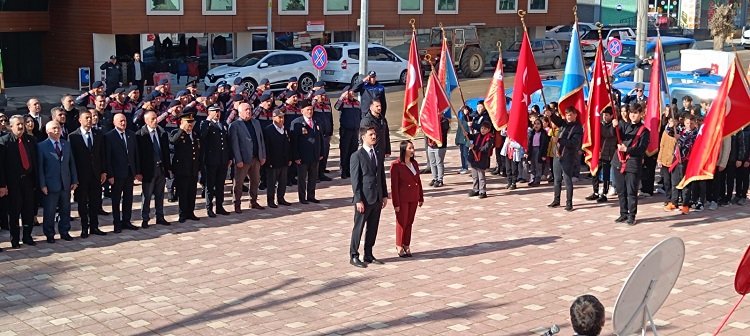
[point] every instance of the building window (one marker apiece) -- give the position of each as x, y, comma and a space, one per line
538, 6
507, 6
164, 7
337, 7
293, 7
410, 6
446, 6
219, 7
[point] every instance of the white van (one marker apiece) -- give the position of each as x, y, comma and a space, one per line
343, 63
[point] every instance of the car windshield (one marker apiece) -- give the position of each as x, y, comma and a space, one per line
593, 35
249, 59
515, 47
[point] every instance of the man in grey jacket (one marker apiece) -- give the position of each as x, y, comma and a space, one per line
249, 152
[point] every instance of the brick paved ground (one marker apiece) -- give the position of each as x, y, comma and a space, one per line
506, 265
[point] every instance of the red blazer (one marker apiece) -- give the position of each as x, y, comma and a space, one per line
405, 186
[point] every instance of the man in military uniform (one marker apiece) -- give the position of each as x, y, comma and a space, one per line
263, 86
87, 98
112, 74
370, 89
263, 112
292, 89
186, 164
216, 159
323, 114
120, 104
350, 116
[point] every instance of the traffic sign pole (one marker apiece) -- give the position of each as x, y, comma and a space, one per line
319, 59
614, 46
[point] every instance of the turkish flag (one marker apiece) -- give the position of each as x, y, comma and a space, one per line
410, 121
434, 103
526, 83
495, 101
657, 87
599, 99
728, 114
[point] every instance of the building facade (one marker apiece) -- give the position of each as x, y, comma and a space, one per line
46, 42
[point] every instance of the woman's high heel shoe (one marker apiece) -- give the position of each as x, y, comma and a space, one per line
407, 251
401, 252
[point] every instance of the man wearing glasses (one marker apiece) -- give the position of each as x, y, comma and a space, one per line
639, 96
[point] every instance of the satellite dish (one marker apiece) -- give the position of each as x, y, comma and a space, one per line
648, 286
742, 277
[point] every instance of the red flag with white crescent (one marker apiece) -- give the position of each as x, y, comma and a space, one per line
410, 117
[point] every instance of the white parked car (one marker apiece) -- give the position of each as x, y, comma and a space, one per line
276, 65
343, 63
745, 39
562, 32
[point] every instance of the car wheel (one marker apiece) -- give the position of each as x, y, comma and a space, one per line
402, 78
306, 82
250, 84
557, 63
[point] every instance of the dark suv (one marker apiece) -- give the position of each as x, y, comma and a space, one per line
547, 52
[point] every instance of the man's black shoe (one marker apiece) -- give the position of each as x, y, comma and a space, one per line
272, 205
631, 221
554, 204
357, 263
144, 224
98, 232
182, 220
29, 242
193, 217
222, 211
324, 178
103, 213
314, 200
473, 193
373, 260
592, 197
66, 237
569, 207
162, 221
15, 245
130, 227
84, 234
285, 203
602, 199
621, 219
50, 240
211, 213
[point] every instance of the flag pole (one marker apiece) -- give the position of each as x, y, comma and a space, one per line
442, 29
583, 63
521, 14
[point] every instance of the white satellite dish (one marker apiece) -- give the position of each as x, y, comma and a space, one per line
647, 287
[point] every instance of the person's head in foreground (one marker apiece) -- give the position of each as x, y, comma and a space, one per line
587, 316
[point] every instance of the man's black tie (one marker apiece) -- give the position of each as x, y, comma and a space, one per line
155, 143
372, 158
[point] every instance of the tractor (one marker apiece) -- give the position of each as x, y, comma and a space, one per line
463, 43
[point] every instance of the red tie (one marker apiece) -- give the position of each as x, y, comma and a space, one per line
309, 123
24, 157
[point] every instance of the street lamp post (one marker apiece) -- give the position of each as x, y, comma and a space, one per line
269, 31
363, 25
641, 33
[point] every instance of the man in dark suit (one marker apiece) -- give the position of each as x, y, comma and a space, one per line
58, 114
153, 151
40, 121
57, 178
138, 73
214, 136
277, 147
307, 146
639, 97
88, 149
186, 163
370, 195
18, 179
123, 165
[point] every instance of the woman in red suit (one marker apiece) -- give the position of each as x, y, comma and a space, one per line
406, 191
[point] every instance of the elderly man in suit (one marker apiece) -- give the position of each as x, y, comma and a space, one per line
18, 179
88, 149
153, 151
249, 149
123, 165
306, 150
277, 142
370, 195
57, 178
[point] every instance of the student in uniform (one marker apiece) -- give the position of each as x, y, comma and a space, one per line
538, 143
608, 147
480, 150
